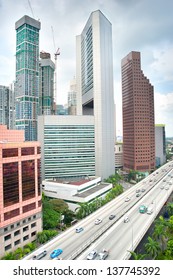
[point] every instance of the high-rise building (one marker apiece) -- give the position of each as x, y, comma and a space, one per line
27, 76
160, 146
67, 145
46, 84
20, 199
7, 106
138, 116
95, 96
72, 98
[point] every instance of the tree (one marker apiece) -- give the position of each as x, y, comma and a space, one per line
59, 205
160, 234
170, 208
152, 247
136, 256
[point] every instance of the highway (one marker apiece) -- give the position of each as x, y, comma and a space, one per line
115, 235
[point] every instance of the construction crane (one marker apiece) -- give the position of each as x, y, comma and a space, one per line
56, 53
29, 3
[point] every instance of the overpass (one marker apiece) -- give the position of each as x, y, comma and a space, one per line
115, 235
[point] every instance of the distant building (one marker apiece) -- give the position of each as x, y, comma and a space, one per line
7, 106
95, 95
20, 199
118, 155
27, 76
160, 144
67, 145
72, 95
46, 84
138, 116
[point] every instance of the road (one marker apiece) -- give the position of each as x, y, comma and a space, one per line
118, 237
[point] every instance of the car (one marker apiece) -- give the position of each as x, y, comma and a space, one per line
138, 190
111, 217
170, 183
98, 221
103, 254
138, 194
126, 219
92, 255
79, 229
143, 190
56, 253
40, 255
166, 188
164, 180
161, 187
127, 199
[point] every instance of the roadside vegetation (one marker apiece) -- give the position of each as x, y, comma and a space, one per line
159, 245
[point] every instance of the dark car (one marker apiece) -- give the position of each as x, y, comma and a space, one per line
111, 217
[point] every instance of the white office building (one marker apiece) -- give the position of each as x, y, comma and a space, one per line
160, 144
94, 77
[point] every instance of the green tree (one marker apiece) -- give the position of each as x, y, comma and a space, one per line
170, 208
160, 233
59, 205
136, 256
152, 247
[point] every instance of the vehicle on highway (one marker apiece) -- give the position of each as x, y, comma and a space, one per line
170, 183
79, 229
56, 253
98, 221
92, 255
111, 217
126, 219
166, 188
127, 199
138, 194
150, 210
40, 255
161, 187
142, 209
103, 254
143, 190
138, 190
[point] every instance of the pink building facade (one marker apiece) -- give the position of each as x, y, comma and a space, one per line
20, 193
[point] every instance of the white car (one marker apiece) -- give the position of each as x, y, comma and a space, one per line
126, 219
98, 221
92, 255
127, 199
103, 254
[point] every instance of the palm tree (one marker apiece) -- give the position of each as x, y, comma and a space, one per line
152, 247
137, 256
170, 208
160, 235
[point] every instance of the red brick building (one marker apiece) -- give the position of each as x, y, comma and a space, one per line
138, 116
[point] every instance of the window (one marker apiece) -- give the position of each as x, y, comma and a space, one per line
8, 247
7, 237
17, 242
17, 232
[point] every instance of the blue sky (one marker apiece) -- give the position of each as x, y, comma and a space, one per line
138, 25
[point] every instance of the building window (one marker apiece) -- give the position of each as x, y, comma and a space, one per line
8, 247
26, 238
10, 183
27, 151
33, 233
5, 229
9, 153
28, 179
25, 228
29, 207
7, 237
17, 242
33, 225
11, 214
17, 232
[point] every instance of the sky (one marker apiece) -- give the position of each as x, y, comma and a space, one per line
137, 25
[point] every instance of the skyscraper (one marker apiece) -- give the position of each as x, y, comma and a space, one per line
27, 76
95, 96
160, 147
46, 84
138, 116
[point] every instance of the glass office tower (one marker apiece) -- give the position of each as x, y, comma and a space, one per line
27, 76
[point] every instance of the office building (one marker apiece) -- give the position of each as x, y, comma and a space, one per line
138, 116
46, 84
95, 96
72, 95
7, 106
160, 144
118, 156
20, 199
27, 76
67, 145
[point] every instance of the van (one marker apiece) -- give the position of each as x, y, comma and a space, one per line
40, 255
149, 210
